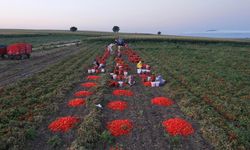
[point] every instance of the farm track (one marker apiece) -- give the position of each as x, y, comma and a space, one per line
21, 69
6, 63
53, 75
148, 132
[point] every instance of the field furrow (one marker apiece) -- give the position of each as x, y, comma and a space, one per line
22, 111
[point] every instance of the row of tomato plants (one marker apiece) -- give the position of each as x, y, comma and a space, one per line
90, 132
26, 103
173, 126
207, 116
197, 69
188, 55
200, 89
233, 111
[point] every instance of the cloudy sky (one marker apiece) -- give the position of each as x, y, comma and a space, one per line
150, 16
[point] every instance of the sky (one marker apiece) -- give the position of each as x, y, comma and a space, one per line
136, 16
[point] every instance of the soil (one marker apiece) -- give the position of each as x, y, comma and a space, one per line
44, 134
14, 70
148, 132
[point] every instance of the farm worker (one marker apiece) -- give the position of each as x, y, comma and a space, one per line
119, 53
126, 45
96, 63
147, 67
131, 80
119, 42
110, 48
139, 65
152, 78
101, 64
160, 79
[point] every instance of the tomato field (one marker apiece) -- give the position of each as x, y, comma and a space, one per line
59, 105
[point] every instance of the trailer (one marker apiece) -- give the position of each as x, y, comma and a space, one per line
19, 51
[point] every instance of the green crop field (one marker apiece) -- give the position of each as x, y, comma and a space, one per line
210, 83
208, 79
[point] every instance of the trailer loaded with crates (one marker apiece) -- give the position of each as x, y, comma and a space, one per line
16, 51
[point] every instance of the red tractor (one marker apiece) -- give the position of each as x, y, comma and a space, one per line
17, 51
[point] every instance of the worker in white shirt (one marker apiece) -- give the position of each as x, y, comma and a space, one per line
110, 47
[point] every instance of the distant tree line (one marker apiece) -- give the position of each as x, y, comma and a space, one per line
115, 29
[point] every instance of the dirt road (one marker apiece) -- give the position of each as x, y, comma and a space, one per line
14, 70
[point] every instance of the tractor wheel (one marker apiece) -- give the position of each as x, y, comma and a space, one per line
18, 57
11, 57
22, 57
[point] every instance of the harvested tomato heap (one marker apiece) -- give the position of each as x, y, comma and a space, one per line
178, 126
101, 60
147, 83
76, 102
83, 93
122, 93
93, 77
162, 101
89, 84
121, 63
63, 124
132, 56
120, 127
118, 105
113, 84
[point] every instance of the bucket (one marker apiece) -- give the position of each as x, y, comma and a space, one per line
143, 70
93, 70
120, 83
114, 76
152, 84
148, 71
138, 71
125, 73
157, 83
102, 70
89, 71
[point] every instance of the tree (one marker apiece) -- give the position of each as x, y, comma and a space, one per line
73, 29
116, 29
159, 32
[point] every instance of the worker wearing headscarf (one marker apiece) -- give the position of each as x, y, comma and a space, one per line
139, 65
160, 79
